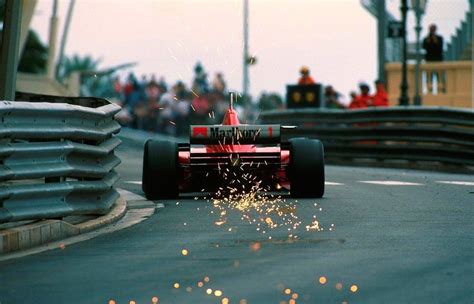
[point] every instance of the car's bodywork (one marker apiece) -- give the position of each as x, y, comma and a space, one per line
216, 153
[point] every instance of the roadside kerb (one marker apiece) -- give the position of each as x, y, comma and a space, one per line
46, 231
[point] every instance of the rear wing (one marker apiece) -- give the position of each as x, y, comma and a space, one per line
234, 135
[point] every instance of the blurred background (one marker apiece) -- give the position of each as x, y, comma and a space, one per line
171, 63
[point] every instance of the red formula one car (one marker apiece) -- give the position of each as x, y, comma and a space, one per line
256, 151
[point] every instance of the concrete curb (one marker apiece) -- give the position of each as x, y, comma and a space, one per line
46, 231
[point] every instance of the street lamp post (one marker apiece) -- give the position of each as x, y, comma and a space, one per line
404, 100
53, 30
67, 23
381, 37
9, 48
419, 8
246, 50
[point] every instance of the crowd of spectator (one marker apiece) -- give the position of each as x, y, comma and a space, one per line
360, 100
153, 105
364, 99
332, 98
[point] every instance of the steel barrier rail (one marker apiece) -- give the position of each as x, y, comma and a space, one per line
57, 157
423, 134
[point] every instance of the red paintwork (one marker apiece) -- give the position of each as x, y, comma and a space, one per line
199, 131
184, 155
231, 118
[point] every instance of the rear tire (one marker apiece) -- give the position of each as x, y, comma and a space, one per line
306, 168
160, 170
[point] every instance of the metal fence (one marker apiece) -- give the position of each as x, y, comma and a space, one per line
428, 134
57, 157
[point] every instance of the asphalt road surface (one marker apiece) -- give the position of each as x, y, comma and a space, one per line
388, 236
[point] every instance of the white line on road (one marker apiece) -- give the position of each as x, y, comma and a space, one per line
391, 183
332, 184
130, 196
460, 183
133, 182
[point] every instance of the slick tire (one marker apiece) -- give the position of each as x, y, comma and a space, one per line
306, 168
160, 170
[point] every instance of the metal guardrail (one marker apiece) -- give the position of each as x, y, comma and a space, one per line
57, 157
432, 134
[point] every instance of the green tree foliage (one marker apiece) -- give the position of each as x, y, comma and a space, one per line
84, 64
270, 101
2, 10
94, 81
35, 55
